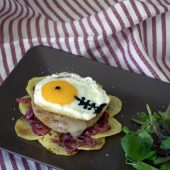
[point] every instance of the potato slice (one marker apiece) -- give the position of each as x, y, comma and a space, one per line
24, 130
24, 106
31, 83
114, 107
116, 127
99, 145
53, 146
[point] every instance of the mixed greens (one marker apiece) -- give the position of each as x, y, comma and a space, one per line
148, 148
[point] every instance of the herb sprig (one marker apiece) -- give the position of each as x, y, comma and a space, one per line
148, 148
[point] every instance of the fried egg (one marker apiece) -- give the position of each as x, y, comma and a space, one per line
71, 95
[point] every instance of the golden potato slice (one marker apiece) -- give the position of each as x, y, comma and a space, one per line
116, 127
114, 106
52, 146
24, 106
99, 145
31, 83
24, 130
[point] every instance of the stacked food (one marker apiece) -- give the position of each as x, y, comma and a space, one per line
67, 113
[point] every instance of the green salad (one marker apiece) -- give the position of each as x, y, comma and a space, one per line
148, 148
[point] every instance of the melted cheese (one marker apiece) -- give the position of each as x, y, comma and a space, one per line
61, 123
73, 126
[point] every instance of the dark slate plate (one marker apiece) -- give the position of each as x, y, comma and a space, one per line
134, 91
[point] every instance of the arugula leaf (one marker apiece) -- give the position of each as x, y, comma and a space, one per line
166, 115
146, 136
165, 144
143, 166
148, 148
153, 157
165, 166
160, 160
141, 118
137, 147
152, 119
126, 130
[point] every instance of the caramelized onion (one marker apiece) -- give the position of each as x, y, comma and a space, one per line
71, 144
23, 100
40, 129
101, 126
37, 127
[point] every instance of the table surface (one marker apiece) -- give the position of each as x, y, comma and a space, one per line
131, 35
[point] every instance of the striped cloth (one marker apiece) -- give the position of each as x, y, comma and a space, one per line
133, 35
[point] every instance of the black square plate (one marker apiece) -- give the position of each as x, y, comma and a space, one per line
134, 90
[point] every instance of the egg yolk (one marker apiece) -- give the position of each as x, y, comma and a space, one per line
59, 92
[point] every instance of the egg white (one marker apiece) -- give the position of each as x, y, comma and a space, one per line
86, 87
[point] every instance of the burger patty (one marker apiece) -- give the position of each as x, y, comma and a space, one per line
62, 123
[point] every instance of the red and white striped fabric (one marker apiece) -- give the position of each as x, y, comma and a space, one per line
130, 34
